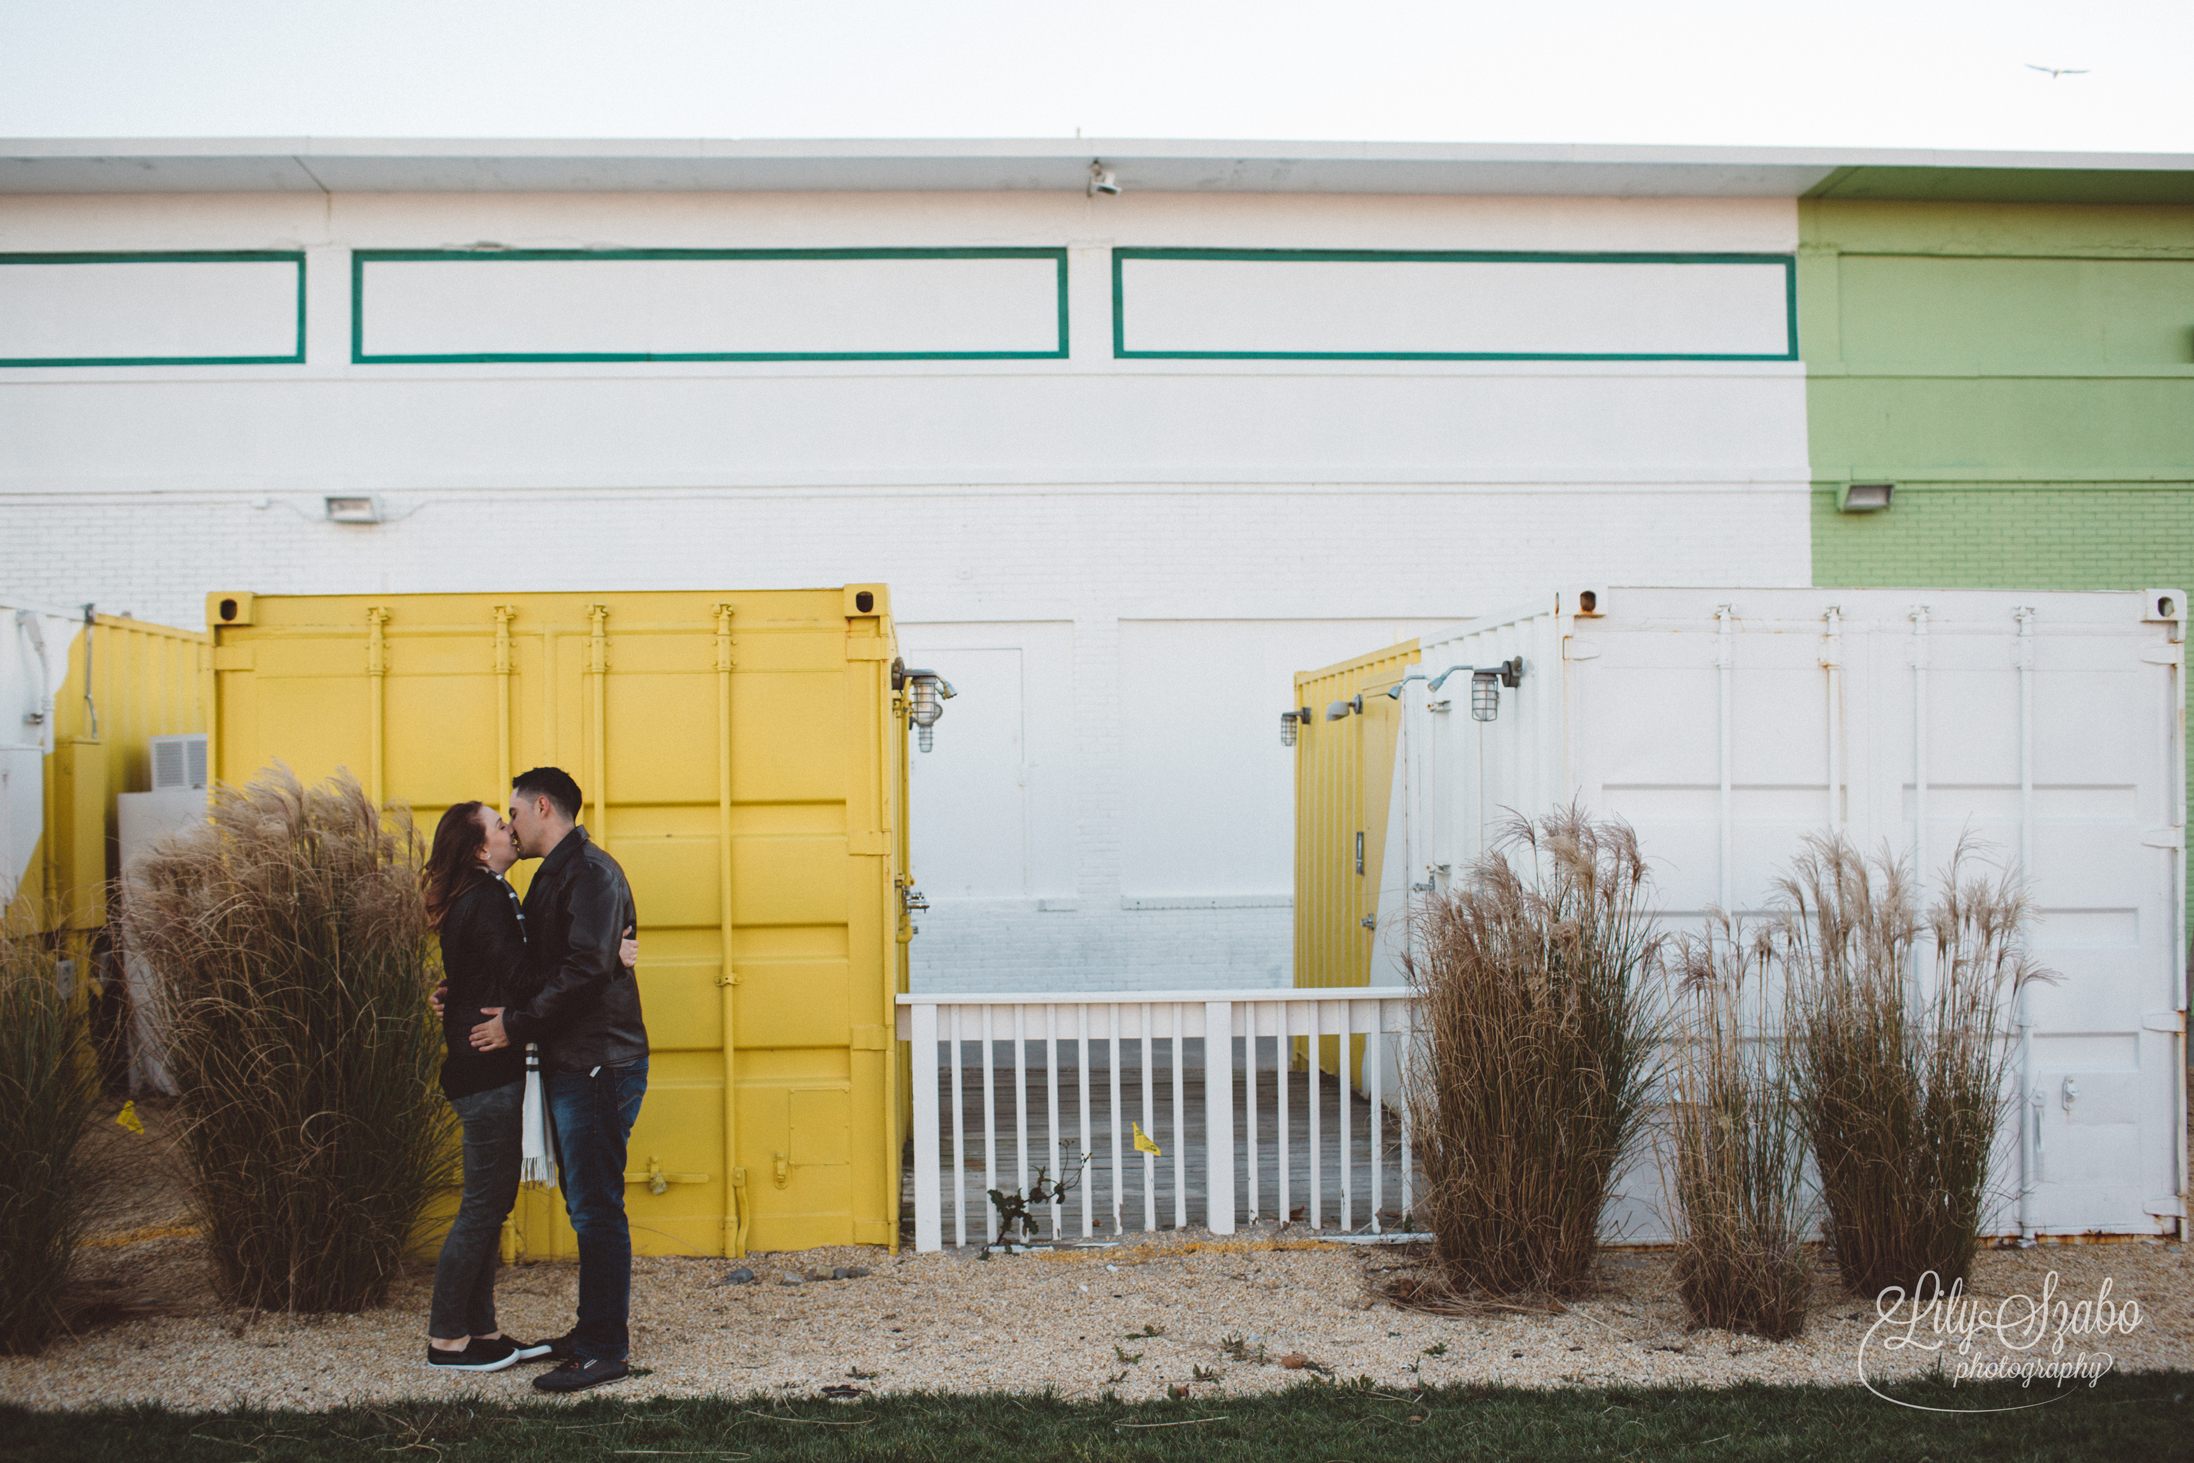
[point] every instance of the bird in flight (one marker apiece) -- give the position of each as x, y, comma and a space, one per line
2057, 71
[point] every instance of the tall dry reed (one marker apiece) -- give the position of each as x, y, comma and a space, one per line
48, 1092
292, 941
1901, 1068
1542, 1012
1733, 1153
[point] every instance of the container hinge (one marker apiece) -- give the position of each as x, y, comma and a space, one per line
1575, 647
2169, 1206
1369, 921
2171, 1021
2164, 838
2162, 654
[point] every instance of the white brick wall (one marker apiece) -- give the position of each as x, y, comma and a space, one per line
1350, 500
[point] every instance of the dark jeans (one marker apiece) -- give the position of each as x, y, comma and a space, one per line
594, 1116
464, 1276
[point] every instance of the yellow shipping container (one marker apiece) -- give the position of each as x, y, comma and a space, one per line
1344, 773
765, 723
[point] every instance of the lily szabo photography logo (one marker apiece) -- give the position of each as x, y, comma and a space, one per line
2053, 1339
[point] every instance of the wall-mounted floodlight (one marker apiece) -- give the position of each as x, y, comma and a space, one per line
1287, 728
1440, 679
1864, 497
1101, 180
353, 510
927, 693
1395, 690
1340, 709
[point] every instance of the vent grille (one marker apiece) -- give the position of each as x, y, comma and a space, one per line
178, 762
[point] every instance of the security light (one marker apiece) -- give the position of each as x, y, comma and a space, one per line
1287, 728
1101, 180
927, 693
1864, 497
353, 510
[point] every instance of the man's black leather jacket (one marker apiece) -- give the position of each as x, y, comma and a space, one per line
586, 1012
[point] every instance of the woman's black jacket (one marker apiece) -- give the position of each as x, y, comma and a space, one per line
483, 957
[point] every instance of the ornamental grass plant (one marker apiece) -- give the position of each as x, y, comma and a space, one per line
292, 939
1901, 1048
1542, 1010
1733, 1151
48, 1093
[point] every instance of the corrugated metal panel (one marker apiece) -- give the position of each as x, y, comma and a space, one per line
762, 722
1725, 724
145, 680
1343, 773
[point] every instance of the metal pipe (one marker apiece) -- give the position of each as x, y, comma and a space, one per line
2022, 657
377, 669
727, 980
1724, 655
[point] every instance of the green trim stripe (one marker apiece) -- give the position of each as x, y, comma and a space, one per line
227, 256
1368, 256
360, 258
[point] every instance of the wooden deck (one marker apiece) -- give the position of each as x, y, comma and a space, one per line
1163, 1192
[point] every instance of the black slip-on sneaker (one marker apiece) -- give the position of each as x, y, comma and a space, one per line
575, 1375
531, 1350
477, 1356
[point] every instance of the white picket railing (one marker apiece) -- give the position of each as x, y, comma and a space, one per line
1248, 1075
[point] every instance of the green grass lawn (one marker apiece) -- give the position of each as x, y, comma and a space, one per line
2127, 1419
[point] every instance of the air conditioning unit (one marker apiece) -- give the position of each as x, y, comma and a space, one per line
178, 762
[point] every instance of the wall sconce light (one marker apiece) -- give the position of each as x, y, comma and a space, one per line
1340, 709
353, 510
1864, 497
1287, 728
927, 693
1485, 687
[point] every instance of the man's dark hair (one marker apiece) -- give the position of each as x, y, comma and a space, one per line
553, 783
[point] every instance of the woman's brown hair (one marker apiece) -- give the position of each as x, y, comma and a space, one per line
453, 864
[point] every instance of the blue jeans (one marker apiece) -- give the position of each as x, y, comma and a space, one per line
593, 1117
464, 1276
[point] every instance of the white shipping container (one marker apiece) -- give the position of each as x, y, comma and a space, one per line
1725, 724
34, 660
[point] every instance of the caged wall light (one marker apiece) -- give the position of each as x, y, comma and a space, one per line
1287, 728
927, 693
1485, 687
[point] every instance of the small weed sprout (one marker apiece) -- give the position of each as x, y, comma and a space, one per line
1130, 1357
1014, 1207
1148, 1330
1205, 1373
1235, 1345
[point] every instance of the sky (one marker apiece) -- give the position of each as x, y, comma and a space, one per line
1872, 73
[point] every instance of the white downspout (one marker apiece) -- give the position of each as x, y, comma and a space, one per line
2022, 656
1832, 660
1724, 655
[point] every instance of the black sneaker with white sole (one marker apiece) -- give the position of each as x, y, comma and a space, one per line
575, 1375
557, 1348
531, 1350
476, 1356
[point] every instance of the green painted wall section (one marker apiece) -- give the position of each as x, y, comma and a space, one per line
2024, 373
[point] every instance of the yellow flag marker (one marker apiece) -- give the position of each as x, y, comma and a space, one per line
1142, 1140
128, 1118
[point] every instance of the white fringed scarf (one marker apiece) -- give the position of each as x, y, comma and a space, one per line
536, 1156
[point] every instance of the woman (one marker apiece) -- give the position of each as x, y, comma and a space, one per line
483, 957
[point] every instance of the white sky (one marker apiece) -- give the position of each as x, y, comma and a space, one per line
1884, 73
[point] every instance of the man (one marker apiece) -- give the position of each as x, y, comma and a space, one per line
594, 1057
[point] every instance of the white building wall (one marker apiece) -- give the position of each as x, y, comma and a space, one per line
1119, 560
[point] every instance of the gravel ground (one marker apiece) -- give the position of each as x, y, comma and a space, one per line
1131, 1320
